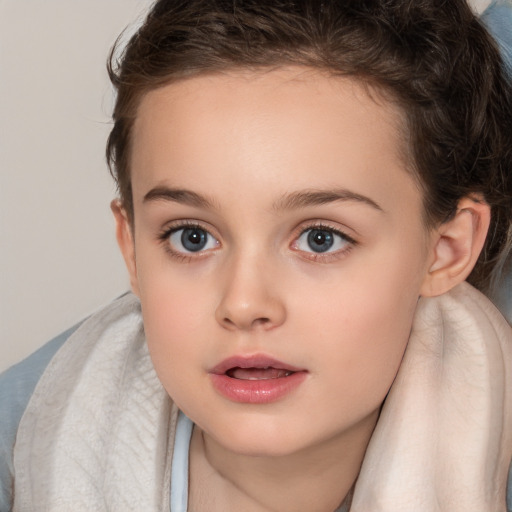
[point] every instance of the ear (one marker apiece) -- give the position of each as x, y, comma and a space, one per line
124, 235
456, 245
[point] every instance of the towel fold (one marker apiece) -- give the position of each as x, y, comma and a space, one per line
99, 431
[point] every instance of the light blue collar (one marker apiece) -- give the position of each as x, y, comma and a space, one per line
179, 472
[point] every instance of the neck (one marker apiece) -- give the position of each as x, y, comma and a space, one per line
315, 479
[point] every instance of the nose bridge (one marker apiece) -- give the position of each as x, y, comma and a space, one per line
251, 297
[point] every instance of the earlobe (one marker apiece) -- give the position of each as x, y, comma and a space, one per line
124, 235
456, 245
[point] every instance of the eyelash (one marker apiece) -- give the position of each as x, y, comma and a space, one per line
164, 236
167, 232
325, 257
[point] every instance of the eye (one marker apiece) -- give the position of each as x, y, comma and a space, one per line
191, 239
322, 240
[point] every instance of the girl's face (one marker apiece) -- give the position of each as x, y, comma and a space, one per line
279, 254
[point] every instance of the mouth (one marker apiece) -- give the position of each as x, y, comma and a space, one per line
255, 379
256, 367
258, 373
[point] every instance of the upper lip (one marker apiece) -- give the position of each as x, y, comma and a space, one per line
252, 361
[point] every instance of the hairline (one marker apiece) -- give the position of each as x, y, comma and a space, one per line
375, 90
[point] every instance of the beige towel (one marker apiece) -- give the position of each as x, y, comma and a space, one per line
98, 432
444, 438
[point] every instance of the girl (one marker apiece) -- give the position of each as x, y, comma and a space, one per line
304, 187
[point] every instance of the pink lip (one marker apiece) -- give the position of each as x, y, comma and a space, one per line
285, 378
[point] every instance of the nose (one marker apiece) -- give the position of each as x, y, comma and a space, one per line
251, 299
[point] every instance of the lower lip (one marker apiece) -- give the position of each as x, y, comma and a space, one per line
262, 391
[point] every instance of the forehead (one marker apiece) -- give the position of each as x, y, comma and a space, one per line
290, 127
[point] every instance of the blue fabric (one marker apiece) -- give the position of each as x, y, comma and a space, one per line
179, 475
498, 19
16, 387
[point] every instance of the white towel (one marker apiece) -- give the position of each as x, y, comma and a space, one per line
444, 438
99, 430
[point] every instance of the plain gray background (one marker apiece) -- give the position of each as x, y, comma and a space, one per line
59, 261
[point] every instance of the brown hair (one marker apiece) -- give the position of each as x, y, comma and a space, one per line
434, 58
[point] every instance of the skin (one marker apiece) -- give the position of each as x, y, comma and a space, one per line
252, 147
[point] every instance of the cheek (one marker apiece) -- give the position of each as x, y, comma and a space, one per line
172, 320
172, 338
368, 302
364, 331
176, 319
172, 297
361, 326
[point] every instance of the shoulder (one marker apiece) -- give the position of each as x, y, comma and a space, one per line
16, 387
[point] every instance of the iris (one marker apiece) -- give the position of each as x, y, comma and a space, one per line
320, 240
194, 239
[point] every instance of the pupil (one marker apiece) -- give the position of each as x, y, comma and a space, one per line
320, 240
193, 239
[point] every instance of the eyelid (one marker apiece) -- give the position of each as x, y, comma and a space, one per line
327, 226
325, 256
177, 225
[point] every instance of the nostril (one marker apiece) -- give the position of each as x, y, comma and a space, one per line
251, 324
260, 321
227, 321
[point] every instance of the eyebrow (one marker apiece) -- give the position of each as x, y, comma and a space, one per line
178, 195
292, 201
304, 198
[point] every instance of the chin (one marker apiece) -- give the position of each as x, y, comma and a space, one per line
262, 438
261, 447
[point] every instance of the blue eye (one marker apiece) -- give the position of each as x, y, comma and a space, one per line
191, 239
321, 240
